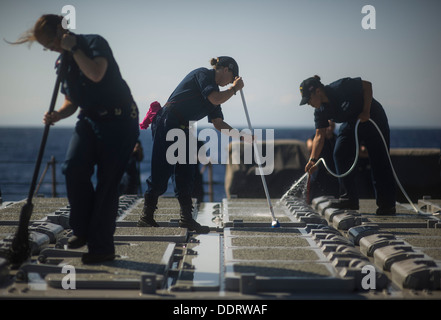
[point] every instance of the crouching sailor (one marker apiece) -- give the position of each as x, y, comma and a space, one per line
346, 101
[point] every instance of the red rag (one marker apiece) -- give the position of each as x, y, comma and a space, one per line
154, 108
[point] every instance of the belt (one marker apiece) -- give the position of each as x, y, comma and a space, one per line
108, 113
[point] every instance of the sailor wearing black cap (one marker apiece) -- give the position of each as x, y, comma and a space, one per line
345, 101
196, 97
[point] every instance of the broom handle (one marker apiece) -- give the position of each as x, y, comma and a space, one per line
46, 130
256, 152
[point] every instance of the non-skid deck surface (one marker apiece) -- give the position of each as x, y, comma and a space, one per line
316, 252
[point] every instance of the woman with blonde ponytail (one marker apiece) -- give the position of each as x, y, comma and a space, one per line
105, 133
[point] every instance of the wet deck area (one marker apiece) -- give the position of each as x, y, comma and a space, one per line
317, 253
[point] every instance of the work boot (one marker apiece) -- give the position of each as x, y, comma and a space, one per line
384, 211
192, 225
75, 242
187, 220
146, 219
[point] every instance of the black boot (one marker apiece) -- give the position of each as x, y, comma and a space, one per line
146, 219
386, 211
75, 242
187, 220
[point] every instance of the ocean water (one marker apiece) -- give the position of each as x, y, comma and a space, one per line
19, 149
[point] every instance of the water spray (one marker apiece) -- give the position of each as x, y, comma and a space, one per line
275, 223
293, 187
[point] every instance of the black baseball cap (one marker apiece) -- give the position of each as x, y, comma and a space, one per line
230, 63
307, 87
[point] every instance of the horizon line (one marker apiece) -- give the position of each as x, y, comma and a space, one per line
206, 126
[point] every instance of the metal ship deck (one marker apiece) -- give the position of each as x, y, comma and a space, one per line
317, 253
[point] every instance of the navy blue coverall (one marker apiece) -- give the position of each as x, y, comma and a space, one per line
188, 102
345, 104
104, 136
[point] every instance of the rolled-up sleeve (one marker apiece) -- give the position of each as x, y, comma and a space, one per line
99, 47
205, 82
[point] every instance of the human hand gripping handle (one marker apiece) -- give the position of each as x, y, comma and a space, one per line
68, 41
238, 84
51, 118
311, 166
364, 116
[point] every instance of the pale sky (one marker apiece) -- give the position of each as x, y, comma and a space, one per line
277, 44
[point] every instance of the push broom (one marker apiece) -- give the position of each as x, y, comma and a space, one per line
275, 223
20, 249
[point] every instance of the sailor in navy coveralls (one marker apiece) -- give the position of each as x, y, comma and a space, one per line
196, 97
104, 136
345, 101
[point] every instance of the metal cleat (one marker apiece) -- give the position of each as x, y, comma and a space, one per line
373, 242
148, 283
316, 201
417, 274
358, 232
53, 231
347, 220
388, 255
329, 213
313, 218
